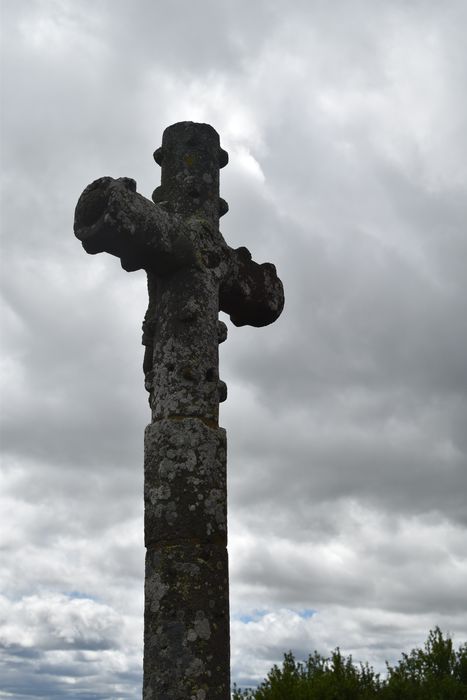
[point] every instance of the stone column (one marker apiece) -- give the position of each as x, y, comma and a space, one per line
186, 638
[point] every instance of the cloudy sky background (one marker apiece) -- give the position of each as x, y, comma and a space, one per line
346, 127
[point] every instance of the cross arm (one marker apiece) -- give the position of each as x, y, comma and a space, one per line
112, 217
251, 294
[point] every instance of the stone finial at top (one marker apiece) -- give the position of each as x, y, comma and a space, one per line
190, 158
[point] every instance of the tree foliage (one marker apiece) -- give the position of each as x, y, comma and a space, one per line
436, 672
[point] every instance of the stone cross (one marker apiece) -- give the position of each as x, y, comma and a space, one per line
192, 274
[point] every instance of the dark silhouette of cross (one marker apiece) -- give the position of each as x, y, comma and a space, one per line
192, 274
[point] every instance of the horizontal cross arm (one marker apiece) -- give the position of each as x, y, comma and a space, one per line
112, 217
251, 294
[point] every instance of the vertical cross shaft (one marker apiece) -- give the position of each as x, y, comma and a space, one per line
192, 273
186, 638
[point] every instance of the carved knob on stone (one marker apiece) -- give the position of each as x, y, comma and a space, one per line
221, 331
223, 207
222, 391
223, 158
158, 155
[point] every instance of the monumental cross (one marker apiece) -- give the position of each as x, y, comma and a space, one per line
192, 274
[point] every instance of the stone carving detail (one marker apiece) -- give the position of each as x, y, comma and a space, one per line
192, 274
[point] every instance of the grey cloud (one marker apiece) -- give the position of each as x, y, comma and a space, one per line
70, 637
407, 465
346, 419
375, 562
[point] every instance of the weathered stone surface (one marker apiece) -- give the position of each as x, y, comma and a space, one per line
190, 158
186, 640
181, 328
185, 488
251, 294
112, 217
192, 274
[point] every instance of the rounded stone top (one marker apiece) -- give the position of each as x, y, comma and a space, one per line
191, 136
190, 158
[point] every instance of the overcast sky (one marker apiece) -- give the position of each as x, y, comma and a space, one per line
346, 126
